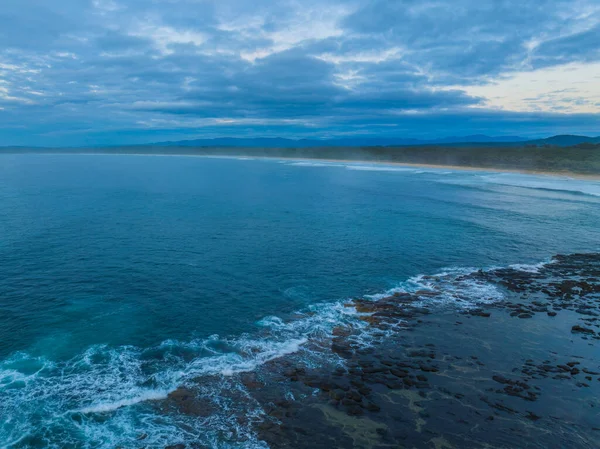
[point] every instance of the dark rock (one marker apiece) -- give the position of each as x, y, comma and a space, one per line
408, 382
354, 395
581, 330
396, 385
341, 331
399, 373
312, 381
187, 402
354, 410
583, 311
337, 395
251, 381
501, 379
422, 353
372, 407
428, 368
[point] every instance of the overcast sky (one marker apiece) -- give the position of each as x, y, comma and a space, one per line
81, 72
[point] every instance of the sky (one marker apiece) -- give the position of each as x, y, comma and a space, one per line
109, 72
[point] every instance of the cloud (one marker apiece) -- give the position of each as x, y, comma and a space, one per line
581, 46
78, 72
470, 38
569, 88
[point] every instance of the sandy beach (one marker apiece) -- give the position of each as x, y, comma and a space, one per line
561, 174
568, 174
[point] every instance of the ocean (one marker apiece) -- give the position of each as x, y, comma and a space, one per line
161, 301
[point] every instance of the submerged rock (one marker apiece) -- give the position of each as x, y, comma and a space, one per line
582, 330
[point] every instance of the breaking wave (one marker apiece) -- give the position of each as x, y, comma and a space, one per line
534, 182
313, 164
383, 168
109, 396
453, 287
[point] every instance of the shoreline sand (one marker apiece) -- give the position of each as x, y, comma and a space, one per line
563, 174
554, 174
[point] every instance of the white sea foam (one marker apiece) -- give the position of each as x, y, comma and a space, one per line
452, 287
104, 407
385, 168
376, 167
10, 376
111, 390
314, 164
113, 381
416, 170
230, 364
530, 268
550, 183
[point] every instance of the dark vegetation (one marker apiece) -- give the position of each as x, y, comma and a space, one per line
583, 158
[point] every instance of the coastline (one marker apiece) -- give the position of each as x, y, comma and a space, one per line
548, 173
396, 299
562, 174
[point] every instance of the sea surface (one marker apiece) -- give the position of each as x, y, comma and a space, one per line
125, 278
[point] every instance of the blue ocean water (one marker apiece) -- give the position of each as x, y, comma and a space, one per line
124, 277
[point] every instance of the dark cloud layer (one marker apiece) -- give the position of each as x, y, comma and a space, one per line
131, 71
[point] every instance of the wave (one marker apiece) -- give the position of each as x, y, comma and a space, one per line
416, 170
531, 268
569, 185
150, 395
377, 167
383, 168
105, 391
107, 395
313, 164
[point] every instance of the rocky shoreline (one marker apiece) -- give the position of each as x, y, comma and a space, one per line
520, 372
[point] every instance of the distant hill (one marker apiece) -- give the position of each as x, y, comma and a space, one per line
476, 140
565, 140
278, 142
342, 142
